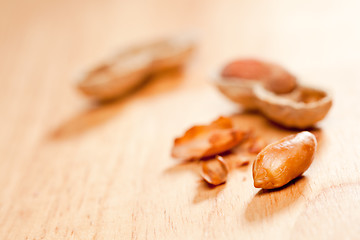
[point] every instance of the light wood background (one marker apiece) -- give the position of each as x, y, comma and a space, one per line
72, 170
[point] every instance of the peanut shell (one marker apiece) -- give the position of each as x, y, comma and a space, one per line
300, 109
131, 67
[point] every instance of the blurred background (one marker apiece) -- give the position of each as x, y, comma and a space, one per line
58, 151
302, 35
45, 45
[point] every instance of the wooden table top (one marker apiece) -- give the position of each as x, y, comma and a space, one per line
72, 170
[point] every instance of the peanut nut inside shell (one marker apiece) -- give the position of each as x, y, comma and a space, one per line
238, 78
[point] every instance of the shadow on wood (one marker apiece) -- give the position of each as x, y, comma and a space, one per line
206, 191
266, 203
335, 207
187, 166
99, 113
89, 118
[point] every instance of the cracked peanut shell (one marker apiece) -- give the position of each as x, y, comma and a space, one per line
131, 67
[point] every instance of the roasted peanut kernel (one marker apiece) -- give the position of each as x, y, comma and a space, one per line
274, 77
250, 69
238, 79
282, 161
279, 80
214, 171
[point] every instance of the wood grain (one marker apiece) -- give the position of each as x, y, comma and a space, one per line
70, 169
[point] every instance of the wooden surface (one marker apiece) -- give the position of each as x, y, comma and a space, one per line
71, 170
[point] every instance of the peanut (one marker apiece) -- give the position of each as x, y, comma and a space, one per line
282, 161
214, 171
249, 69
274, 77
279, 80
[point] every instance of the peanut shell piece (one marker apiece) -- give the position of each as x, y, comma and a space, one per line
239, 92
245, 152
130, 68
214, 171
207, 140
116, 77
300, 109
282, 161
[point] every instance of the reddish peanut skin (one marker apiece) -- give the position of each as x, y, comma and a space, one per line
280, 162
274, 77
214, 171
250, 69
279, 80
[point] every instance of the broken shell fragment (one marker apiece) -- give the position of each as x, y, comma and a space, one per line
130, 68
207, 140
237, 160
301, 108
214, 171
282, 161
244, 153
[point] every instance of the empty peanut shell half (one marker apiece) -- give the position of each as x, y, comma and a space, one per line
131, 67
207, 140
301, 108
214, 171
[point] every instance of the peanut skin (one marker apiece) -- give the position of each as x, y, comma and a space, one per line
214, 171
251, 69
282, 161
274, 77
279, 80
